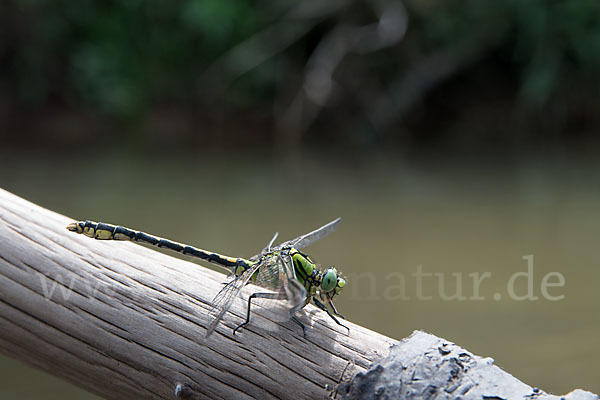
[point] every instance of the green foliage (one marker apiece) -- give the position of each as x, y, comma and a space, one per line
119, 56
122, 58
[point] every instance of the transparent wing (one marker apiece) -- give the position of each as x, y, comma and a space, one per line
275, 275
278, 276
226, 296
267, 248
301, 241
311, 237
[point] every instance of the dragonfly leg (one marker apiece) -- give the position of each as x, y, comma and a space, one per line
335, 311
324, 308
263, 295
296, 320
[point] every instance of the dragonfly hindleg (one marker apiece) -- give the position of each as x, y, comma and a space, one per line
260, 295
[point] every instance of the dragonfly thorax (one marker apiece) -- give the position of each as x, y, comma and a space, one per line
327, 282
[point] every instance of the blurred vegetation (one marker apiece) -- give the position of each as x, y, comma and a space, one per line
354, 74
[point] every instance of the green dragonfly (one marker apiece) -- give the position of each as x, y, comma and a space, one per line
291, 277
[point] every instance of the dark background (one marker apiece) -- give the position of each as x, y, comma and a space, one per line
456, 135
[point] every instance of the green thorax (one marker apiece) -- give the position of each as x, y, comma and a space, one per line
305, 269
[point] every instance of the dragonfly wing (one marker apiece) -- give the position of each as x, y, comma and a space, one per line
301, 241
311, 237
278, 276
267, 247
295, 291
226, 296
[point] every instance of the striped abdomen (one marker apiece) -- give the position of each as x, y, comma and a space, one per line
102, 231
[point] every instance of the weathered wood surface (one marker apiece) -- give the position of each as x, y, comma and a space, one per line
424, 366
127, 322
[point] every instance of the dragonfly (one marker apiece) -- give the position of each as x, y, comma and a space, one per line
291, 277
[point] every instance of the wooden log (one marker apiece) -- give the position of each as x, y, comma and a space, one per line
424, 366
125, 322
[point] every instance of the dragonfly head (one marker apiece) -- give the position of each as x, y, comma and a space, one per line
332, 282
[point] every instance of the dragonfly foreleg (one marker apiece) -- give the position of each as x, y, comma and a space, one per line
261, 295
335, 311
324, 308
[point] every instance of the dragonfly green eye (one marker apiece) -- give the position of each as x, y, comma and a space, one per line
341, 282
329, 280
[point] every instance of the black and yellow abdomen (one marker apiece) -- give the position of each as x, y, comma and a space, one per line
103, 231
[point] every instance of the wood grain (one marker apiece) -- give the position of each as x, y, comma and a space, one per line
124, 321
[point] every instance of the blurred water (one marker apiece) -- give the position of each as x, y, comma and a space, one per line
397, 217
